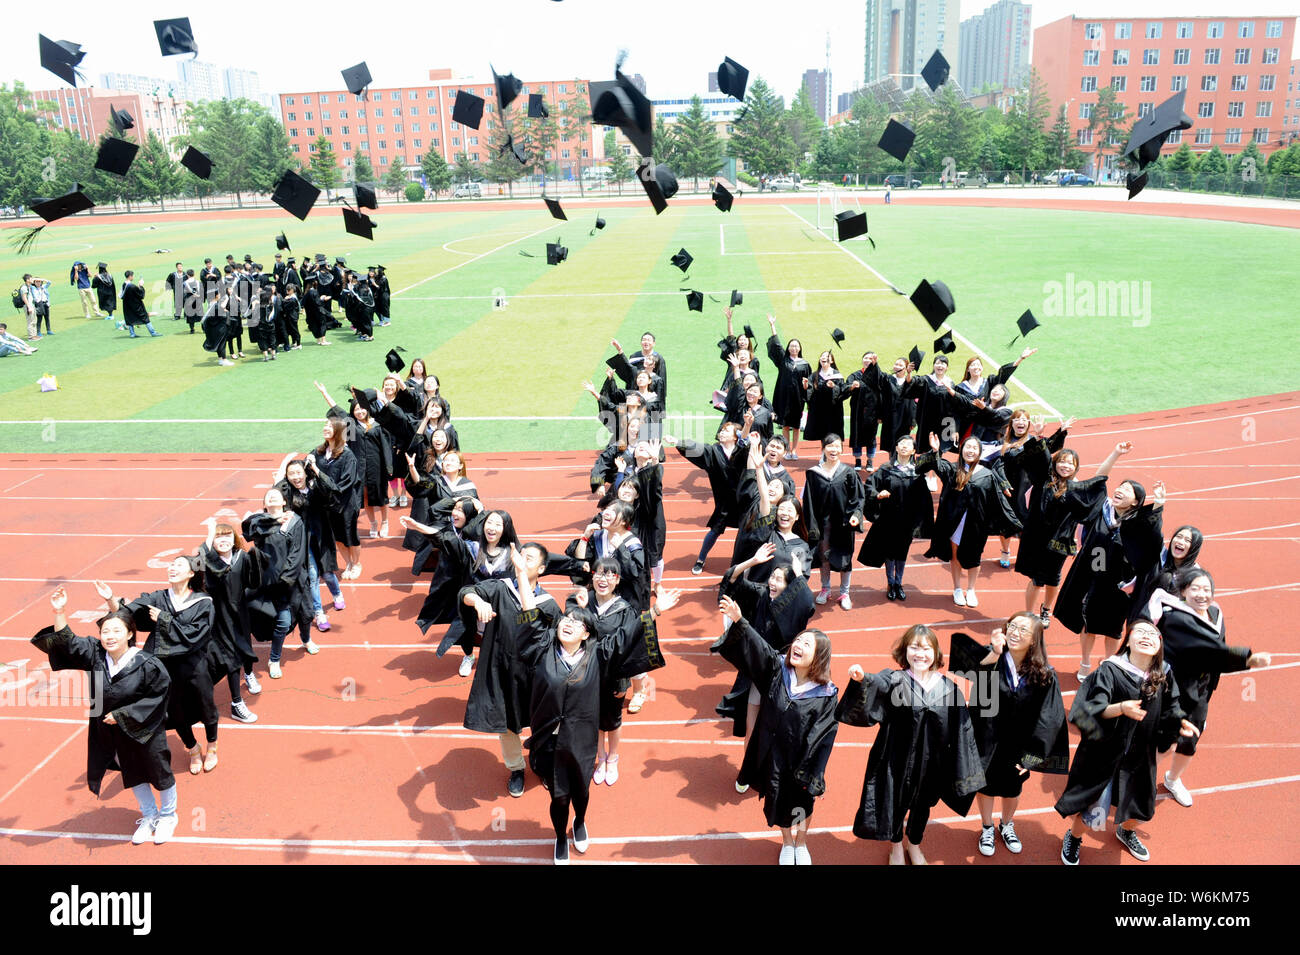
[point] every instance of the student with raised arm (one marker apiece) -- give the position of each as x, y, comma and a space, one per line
788, 398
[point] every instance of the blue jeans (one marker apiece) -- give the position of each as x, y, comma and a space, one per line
283, 624
894, 572
710, 539
150, 809
314, 576
8, 350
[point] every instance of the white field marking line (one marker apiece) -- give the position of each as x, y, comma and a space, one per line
722, 239
458, 265
1269, 527
21, 483
41, 765
1191, 421
638, 294
1229, 487
958, 335
357, 846
446, 245
1228, 592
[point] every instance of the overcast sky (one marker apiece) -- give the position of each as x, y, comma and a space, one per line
673, 43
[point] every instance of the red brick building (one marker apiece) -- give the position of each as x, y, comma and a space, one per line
86, 112
401, 124
1235, 71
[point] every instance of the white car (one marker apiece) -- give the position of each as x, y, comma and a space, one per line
782, 184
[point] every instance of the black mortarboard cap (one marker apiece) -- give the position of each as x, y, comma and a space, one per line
682, 260
935, 71
695, 301
554, 206
916, 356
965, 654
1135, 184
52, 210
358, 223
295, 194
737, 298
749, 334
197, 163
896, 140
281, 242
1027, 322
850, 225
121, 119
393, 361
116, 156
732, 78
508, 87
621, 104
357, 78
600, 224
61, 57
1150, 132
555, 253
175, 36
722, 197
468, 109
537, 107
660, 184
365, 197
934, 302
944, 345
837, 336
514, 147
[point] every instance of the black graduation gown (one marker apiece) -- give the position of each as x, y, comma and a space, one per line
179, 639
564, 705
285, 583
738, 405
897, 413
314, 312
1022, 724
907, 514
864, 408
620, 621
1090, 599
231, 585
137, 699
106, 291
924, 751
176, 285
937, 412
729, 346
499, 699
983, 423
724, 476
432, 499
633, 569
216, 325
1050, 522
637, 361
383, 295
359, 306
291, 277
134, 311
982, 501
374, 460
1198, 652
825, 398
828, 504
339, 477
1119, 750
754, 529
450, 574
788, 396
786, 758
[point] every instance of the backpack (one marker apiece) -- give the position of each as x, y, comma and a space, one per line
19, 301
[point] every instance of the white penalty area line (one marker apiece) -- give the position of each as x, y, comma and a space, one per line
459, 265
639, 294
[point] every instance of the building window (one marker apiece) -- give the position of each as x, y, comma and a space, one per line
430, 94
397, 127
1153, 31
1215, 30
1147, 84
311, 131
379, 111
1212, 56
295, 147
395, 94
1236, 109
306, 116
1177, 83
1092, 31
1266, 83
1119, 57
293, 117
1089, 84
1239, 83
1150, 57
1119, 83
1202, 137
347, 148
1091, 57
432, 111
324, 114
1185, 28
1175, 137
455, 140
414, 94
1261, 135
1182, 57
361, 113
417, 144
288, 100
379, 128
584, 154
383, 160
329, 131
1273, 30
1084, 137
311, 147
293, 131
415, 127
1144, 108
564, 88
1242, 56
1264, 109
306, 101
345, 130
1205, 110
1123, 31
343, 114
433, 127
415, 111
1270, 56
433, 142
1245, 29
1232, 137
383, 144
1209, 84
363, 130
400, 144
471, 140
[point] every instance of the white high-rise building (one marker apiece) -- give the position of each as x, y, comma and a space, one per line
994, 48
202, 81
144, 85
240, 84
903, 34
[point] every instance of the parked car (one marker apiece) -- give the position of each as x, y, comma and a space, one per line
1077, 179
1052, 178
899, 181
979, 179
782, 184
467, 190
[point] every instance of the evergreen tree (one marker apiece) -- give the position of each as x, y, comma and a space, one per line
395, 179
1108, 122
466, 170
26, 151
325, 165
362, 171
620, 167
270, 154
804, 124
1059, 140
1026, 141
699, 146
947, 128
437, 174
154, 174
761, 137
503, 167
667, 147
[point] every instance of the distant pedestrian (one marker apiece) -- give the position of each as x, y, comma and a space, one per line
79, 278
889, 191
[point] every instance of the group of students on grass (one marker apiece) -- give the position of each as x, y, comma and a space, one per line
568, 670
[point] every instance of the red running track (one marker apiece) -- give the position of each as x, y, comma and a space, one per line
359, 754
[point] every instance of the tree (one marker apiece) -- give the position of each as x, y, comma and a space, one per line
1108, 122
667, 148
1183, 159
437, 174
324, 165
414, 192
804, 124
467, 170
154, 174
620, 167
270, 155
1026, 141
362, 171
223, 129
761, 137
948, 127
395, 178
25, 171
698, 144
1058, 140
503, 166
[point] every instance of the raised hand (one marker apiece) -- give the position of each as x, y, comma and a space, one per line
856, 672
666, 600
153, 613
1068, 423
103, 589
730, 609
613, 342
934, 441
1124, 447
765, 553
580, 596
998, 642
59, 599
1027, 352
1158, 491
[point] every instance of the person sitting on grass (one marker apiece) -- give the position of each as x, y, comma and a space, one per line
12, 345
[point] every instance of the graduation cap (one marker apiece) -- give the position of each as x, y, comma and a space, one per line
554, 206
514, 147
621, 104
175, 36
296, 195
850, 225
722, 197
600, 224
934, 302
365, 196
896, 140
965, 654
197, 163
555, 253
1135, 184
356, 79
121, 119
916, 356
61, 57
695, 301
1026, 323
282, 243
393, 360
944, 345
935, 71
837, 336
1150, 132
660, 184
52, 210
536, 107
682, 260
339, 260
508, 87
732, 78
116, 156
468, 109
737, 298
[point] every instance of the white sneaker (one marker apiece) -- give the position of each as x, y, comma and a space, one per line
252, 683
374, 531
971, 600
242, 713
802, 856
224, 363
742, 788
273, 670
165, 829
1178, 791
383, 530
845, 602
581, 840
466, 666
312, 647
143, 831
958, 597
787, 856
1083, 671
823, 596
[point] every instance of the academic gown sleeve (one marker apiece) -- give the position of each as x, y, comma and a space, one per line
172, 634
865, 702
1047, 748
630, 651
743, 648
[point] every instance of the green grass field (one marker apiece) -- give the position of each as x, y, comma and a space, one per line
1213, 303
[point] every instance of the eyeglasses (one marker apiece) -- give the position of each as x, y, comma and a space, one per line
1019, 628
605, 573
1144, 632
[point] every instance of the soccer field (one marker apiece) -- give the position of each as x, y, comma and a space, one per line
1139, 313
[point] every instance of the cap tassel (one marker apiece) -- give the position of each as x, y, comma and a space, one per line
528, 254
24, 242
1013, 341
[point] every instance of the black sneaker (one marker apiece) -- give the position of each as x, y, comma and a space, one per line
698, 568
1070, 847
1132, 843
516, 785
562, 850
891, 593
1046, 617
900, 593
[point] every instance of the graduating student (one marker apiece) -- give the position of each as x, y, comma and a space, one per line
314, 301
762, 492
937, 410
1196, 649
975, 385
310, 500
371, 447
832, 512
288, 309
1181, 553
788, 398
924, 751
1017, 714
824, 392
334, 468
514, 613
282, 601
896, 411
359, 306
786, 757
864, 411
179, 623
976, 502
481, 552
127, 727
1122, 540
746, 404
378, 278
233, 576
743, 347
723, 461
105, 287
1012, 450
445, 553
290, 276
639, 483
1126, 712
658, 362
440, 480
192, 299
630, 374
134, 310
903, 511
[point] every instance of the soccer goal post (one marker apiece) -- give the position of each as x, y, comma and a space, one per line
830, 203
